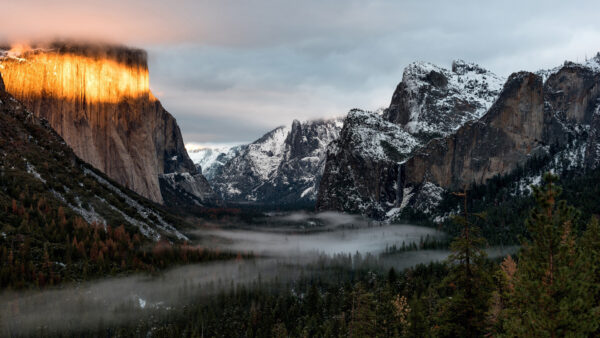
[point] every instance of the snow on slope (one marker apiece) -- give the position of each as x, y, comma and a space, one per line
434, 100
363, 167
376, 138
209, 156
283, 166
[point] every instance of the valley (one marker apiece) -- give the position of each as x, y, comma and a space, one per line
469, 199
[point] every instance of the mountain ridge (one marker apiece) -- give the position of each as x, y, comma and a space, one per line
529, 117
282, 166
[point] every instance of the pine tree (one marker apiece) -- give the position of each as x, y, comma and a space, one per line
590, 262
468, 284
362, 317
551, 296
504, 278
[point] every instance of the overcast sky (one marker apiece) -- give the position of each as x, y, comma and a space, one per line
231, 70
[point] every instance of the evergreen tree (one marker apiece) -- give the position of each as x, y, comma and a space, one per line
362, 317
468, 284
504, 278
551, 292
590, 263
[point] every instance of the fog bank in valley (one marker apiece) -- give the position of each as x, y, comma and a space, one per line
300, 245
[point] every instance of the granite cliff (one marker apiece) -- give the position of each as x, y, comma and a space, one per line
36, 162
97, 97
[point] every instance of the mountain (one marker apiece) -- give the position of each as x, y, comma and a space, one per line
550, 116
432, 101
528, 119
40, 175
283, 167
209, 158
97, 97
363, 165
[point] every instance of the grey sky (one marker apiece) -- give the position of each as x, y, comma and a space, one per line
231, 70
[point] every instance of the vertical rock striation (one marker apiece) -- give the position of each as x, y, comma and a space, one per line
97, 97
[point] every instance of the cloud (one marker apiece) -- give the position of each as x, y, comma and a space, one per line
259, 64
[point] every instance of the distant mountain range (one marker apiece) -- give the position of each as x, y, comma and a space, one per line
283, 167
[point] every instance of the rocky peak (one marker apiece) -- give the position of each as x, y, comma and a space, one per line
461, 67
594, 63
432, 101
295, 140
284, 166
363, 165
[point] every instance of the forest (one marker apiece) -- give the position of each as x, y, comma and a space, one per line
550, 288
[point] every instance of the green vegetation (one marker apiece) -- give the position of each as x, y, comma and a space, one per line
552, 290
43, 241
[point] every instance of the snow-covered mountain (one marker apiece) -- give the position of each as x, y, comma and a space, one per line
282, 167
208, 158
363, 165
465, 137
434, 101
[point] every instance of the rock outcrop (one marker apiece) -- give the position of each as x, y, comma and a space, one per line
528, 118
97, 97
479, 150
363, 165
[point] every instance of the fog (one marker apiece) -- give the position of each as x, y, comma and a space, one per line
300, 245
293, 243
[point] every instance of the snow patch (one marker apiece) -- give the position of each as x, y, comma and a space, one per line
31, 170
146, 213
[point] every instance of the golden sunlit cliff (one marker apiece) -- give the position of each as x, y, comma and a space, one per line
97, 97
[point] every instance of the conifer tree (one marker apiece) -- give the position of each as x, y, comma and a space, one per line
551, 295
590, 263
468, 284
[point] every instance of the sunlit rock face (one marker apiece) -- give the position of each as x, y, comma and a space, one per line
97, 98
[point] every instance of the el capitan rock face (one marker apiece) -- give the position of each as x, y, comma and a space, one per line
97, 98
32, 154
